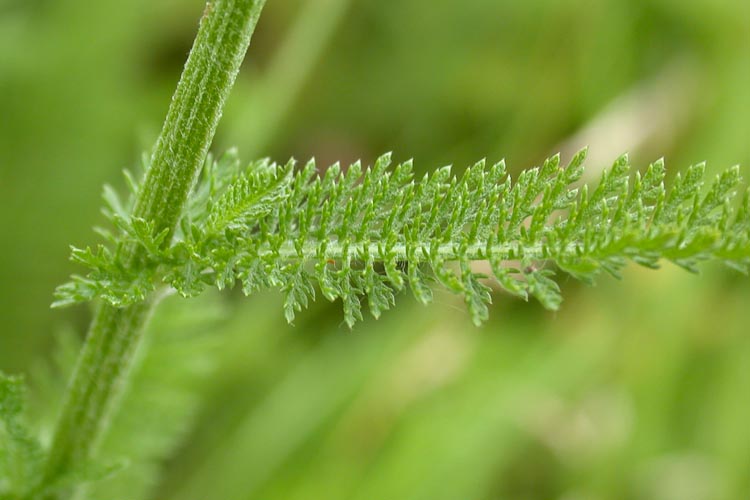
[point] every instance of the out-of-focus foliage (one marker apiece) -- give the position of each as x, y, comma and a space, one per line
20, 453
633, 390
161, 400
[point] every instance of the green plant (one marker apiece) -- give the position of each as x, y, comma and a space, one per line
351, 233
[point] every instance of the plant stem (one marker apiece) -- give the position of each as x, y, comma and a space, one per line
103, 365
292, 250
197, 105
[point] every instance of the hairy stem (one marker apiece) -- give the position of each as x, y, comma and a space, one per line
400, 251
196, 108
103, 365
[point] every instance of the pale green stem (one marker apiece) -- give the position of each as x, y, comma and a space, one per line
421, 251
104, 363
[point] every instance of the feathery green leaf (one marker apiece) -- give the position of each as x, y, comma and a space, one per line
365, 233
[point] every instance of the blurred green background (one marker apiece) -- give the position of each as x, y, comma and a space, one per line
635, 389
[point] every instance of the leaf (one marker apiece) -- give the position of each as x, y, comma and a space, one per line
477, 294
250, 195
354, 232
298, 291
544, 288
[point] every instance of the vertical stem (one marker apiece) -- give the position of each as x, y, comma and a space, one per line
103, 365
196, 108
100, 371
